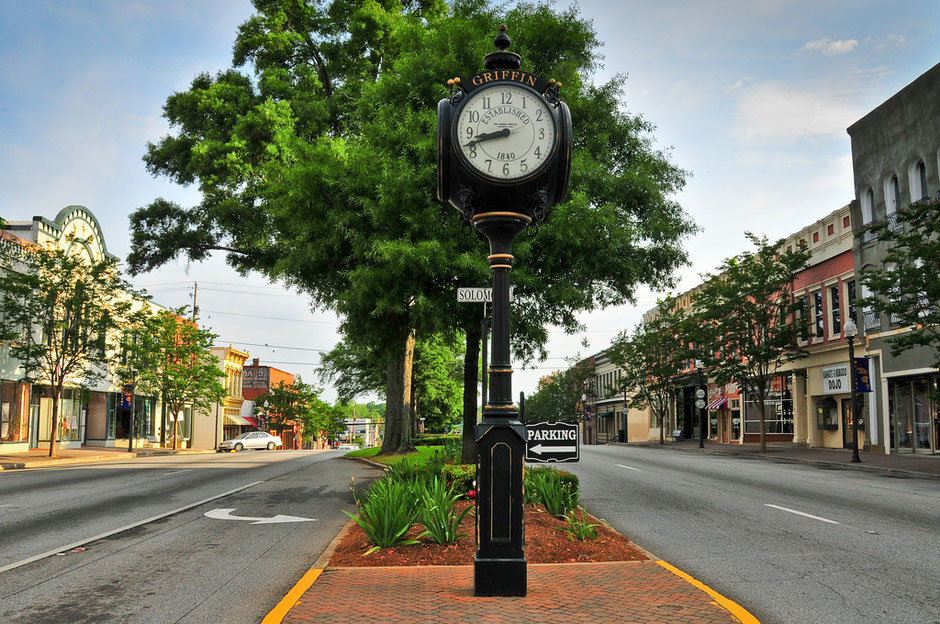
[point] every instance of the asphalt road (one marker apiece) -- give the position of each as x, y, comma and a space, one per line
791, 543
155, 555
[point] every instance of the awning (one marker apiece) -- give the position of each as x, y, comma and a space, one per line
237, 421
717, 404
253, 421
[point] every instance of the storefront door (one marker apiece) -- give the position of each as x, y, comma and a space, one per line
903, 417
846, 423
921, 406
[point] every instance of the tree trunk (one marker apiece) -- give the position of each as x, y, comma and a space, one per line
398, 400
471, 368
763, 425
413, 412
55, 420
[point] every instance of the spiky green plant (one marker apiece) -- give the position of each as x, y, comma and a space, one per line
439, 515
579, 528
386, 513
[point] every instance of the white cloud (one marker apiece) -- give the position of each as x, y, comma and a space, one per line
830, 47
776, 111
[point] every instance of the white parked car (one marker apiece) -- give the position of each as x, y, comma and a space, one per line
252, 440
348, 447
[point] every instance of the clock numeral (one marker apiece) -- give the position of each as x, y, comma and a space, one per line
541, 133
489, 166
470, 133
473, 151
486, 103
474, 116
506, 169
506, 97
538, 115
538, 152
523, 101
523, 166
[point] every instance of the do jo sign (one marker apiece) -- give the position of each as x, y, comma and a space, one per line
835, 379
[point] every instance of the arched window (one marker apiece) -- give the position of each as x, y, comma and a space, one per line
868, 203
892, 195
918, 176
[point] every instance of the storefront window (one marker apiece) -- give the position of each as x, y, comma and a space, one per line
71, 415
827, 414
778, 409
13, 425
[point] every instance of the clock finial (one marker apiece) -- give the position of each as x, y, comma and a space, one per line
502, 58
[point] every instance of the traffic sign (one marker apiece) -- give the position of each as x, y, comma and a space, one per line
478, 295
551, 442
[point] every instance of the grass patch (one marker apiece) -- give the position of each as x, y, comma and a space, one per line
422, 455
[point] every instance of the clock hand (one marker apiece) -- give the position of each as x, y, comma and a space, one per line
486, 136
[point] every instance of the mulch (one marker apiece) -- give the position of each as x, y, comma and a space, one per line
545, 542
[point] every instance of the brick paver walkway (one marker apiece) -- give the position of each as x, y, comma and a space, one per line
639, 592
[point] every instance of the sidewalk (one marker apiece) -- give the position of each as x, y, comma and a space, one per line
39, 458
900, 465
630, 592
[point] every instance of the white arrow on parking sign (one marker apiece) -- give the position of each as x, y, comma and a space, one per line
538, 449
226, 514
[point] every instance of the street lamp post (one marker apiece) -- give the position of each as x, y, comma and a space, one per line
626, 417
700, 395
850, 330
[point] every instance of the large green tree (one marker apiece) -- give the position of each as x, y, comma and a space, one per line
654, 358
906, 286
317, 167
561, 396
285, 405
749, 321
61, 317
168, 355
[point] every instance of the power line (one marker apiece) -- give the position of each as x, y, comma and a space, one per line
272, 318
261, 344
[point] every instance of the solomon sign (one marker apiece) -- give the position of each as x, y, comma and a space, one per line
552, 442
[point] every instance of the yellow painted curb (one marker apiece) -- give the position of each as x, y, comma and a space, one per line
731, 606
287, 602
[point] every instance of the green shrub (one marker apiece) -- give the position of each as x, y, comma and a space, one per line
579, 528
436, 462
460, 476
550, 487
453, 450
406, 471
439, 515
435, 440
387, 512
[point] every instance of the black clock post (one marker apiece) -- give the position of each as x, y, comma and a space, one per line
504, 157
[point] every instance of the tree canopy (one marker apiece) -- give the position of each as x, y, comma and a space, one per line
747, 320
315, 159
62, 318
559, 396
906, 286
654, 357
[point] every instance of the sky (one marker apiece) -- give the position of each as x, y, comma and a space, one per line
751, 98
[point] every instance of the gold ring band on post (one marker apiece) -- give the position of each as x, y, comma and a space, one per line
515, 215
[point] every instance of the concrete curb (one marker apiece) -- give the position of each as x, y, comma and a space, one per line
862, 467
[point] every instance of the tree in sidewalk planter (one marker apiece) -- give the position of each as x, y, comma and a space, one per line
61, 316
559, 397
906, 286
168, 355
654, 358
319, 171
749, 322
286, 405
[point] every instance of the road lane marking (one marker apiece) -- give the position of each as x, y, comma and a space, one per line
800, 513
226, 514
277, 614
177, 471
629, 467
50, 553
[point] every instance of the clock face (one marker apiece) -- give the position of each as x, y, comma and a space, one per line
505, 132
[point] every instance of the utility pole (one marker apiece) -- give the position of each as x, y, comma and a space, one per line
195, 300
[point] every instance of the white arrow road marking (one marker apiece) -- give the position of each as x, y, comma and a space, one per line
538, 449
800, 513
226, 514
629, 468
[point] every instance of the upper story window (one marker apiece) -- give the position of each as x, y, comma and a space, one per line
918, 175
818, 314
892, 195
868, 203
815, 237
850, 295
835, 327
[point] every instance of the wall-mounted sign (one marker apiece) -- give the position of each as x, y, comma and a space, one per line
835, 379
